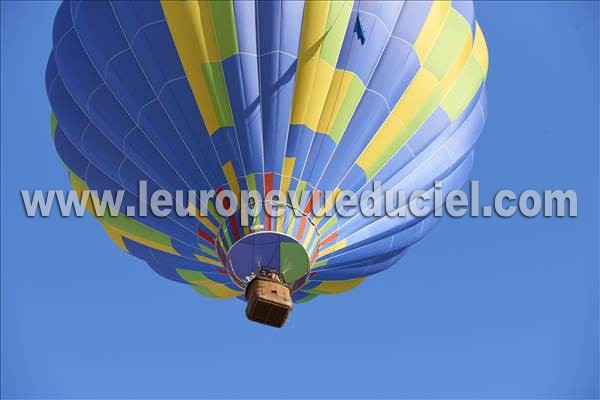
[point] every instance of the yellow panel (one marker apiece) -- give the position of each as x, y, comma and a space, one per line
290, 227
310, 234
310, 66
318, 95
232, 181
234, 186
213, 289
115, 233
480, 50
79, 186
319, 48
210, 40
115, 237
286, 175
203, 219
470, 77
329, 204
335, 287
335, 98
77, 183
417, 94
195, 18
210, 288
310, 95
199, 281
392, 127
193, 34
431, 29
144, 241
334, 247
223, 292
208, 260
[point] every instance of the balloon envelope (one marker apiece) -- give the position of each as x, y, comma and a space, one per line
295, 96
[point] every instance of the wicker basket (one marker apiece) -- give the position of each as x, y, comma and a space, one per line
269, 302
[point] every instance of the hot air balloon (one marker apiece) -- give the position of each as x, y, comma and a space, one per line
314, 96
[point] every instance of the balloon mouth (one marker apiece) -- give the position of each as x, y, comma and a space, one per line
271, 250
288, 247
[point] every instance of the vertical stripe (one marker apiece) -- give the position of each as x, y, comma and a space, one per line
225, 30
191, 27
315, 74
431, 29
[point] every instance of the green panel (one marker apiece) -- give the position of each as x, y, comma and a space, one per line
226, 235
294, 261
225, 30
448, 45
251, 180
421, 116
291, 224
203, 291
337, 21
208, 250
53, 123
215, 80
191, 276
463, 90
212, 210
307, 298
130, 225
355, 92
328, 225
299, 190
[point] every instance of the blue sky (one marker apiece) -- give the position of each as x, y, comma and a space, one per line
486, 308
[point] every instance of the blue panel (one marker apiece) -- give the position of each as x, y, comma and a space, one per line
245, 26
362, 59
321, 150
69, 153
412, 18
178, 100
385, 11
279, 24
433, 126
135, 16
100, 33
277, 74
227, 147
155, 51
354, 179
126, 80
144, 253
396, 69
241, 77
365, 122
